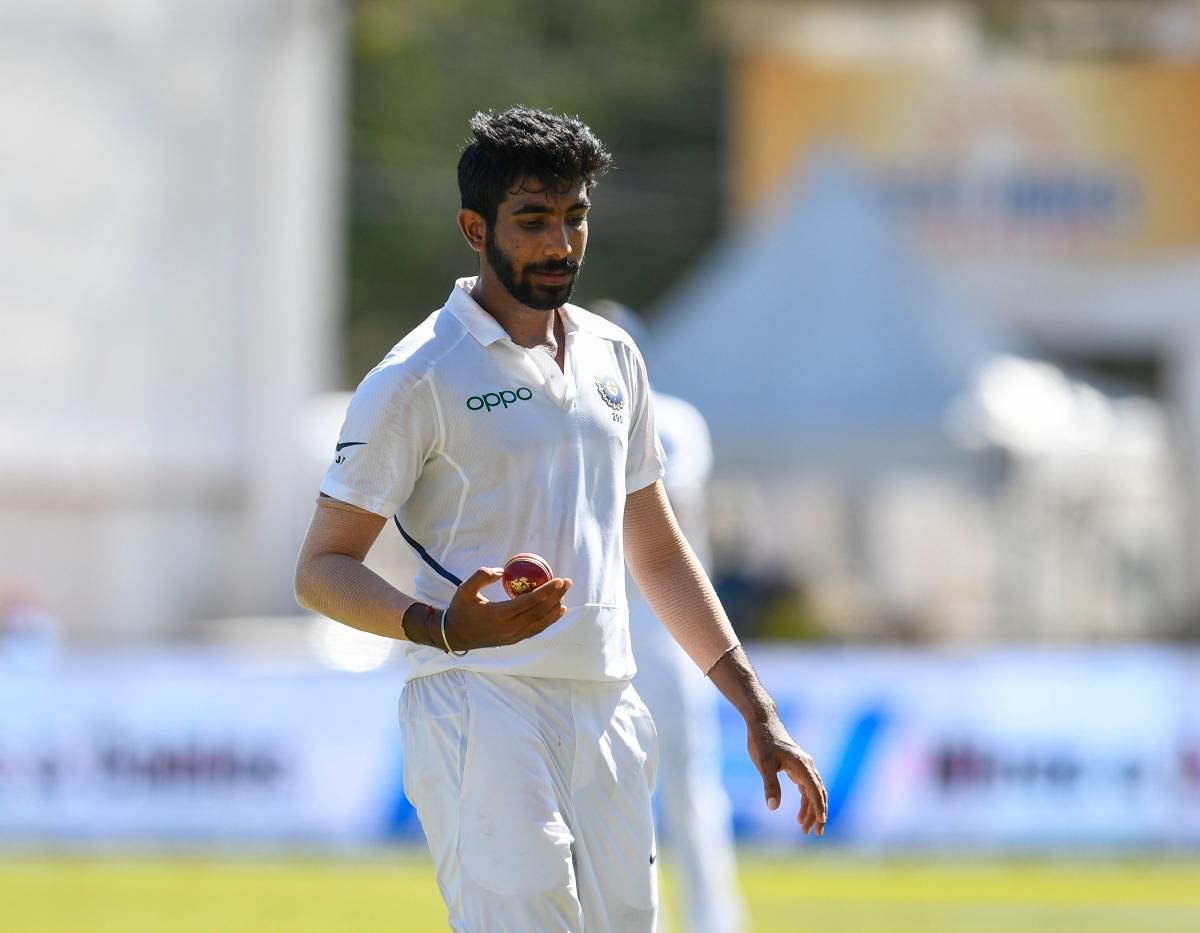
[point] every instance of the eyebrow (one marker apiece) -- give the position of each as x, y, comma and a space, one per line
532, 208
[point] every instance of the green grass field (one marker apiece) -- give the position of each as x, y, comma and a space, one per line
396, 893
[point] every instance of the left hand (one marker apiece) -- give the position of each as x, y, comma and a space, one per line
772, 750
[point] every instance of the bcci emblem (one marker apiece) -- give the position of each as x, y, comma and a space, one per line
610, 390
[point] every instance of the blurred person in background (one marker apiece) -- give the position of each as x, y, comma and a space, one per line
29, 632
513, 421
694, 806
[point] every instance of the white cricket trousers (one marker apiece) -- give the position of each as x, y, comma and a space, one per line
534, 795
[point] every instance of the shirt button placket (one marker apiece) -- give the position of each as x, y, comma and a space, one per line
556, 381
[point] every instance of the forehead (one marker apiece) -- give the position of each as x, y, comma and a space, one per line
530, 192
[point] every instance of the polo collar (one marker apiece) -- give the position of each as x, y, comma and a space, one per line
485, 328
479, 324
570, 319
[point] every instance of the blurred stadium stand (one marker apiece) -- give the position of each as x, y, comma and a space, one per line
172, 250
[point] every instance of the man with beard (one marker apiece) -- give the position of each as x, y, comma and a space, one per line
512, 421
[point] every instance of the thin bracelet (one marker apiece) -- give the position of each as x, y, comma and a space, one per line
449, 650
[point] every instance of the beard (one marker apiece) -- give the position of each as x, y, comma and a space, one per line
521, 287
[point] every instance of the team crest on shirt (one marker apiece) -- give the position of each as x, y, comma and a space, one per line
611, 391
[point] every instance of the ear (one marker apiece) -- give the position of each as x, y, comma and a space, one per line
474, 229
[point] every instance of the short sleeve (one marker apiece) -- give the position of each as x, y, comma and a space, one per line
391, 429
645, 461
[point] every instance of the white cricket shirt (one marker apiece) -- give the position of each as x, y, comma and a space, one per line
482, 449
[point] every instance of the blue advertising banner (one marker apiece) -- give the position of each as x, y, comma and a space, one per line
966, 750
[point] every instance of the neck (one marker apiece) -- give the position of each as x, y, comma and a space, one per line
528, 327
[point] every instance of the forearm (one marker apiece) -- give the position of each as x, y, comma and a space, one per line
332, 580
344, 589
673, 581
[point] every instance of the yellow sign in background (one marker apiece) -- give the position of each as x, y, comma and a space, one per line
1083, 159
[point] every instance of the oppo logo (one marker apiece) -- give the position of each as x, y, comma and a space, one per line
501, 399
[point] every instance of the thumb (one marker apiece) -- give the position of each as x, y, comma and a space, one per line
479, 579
771, 789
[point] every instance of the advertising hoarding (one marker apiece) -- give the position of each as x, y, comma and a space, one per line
1014, 749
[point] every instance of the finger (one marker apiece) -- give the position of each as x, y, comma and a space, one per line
548, 594
808, 815
771, 788
814, 805
531, 625
549, 588
479, 579
809, 781
820, 783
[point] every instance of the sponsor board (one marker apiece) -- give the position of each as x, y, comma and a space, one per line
1001, 749
167, 750
1021, 749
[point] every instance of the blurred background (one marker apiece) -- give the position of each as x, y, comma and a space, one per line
930, 269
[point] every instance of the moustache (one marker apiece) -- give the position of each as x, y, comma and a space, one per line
566, 265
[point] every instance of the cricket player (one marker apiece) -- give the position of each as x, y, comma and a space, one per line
510, 421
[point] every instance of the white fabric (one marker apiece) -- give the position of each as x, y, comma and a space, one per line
687, 446
692, 800
484, 449
534, 795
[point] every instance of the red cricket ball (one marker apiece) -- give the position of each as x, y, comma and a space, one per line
525, 572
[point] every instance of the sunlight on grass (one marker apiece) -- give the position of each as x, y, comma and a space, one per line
396, 891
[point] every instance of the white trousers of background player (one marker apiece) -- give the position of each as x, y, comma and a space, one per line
697, 836
534, 795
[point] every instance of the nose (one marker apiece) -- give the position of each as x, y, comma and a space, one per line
558, 243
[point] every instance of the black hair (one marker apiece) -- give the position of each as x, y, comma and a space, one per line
524, 145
